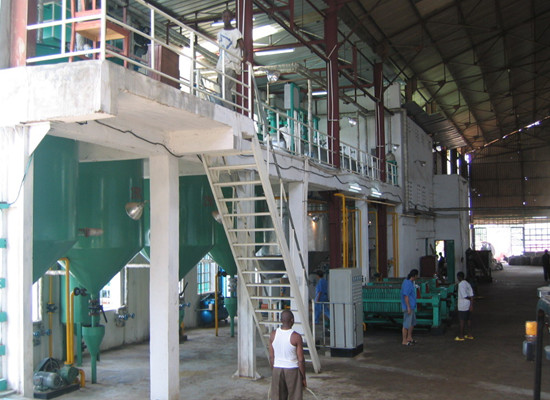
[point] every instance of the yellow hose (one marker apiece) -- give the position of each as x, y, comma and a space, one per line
82, 375
68, 311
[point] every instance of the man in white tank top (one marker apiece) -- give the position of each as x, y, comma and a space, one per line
286, 355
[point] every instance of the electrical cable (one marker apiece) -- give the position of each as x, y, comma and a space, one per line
327, 175
31, 157
141, 138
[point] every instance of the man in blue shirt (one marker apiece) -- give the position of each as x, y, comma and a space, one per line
408, 305
321, 296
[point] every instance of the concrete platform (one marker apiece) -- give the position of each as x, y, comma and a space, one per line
490, 367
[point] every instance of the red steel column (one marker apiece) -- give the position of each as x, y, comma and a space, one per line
379, 112
333, 88
245, 24
381, 154
23, 44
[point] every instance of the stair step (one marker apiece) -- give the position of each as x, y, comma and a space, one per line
265, 258
277, 298
251, 214
237, 183
255, 244
235, 199
233, 167
268, 285
251, 230
265, 272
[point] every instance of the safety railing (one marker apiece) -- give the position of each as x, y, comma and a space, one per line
288, 134
105, 31
98, 33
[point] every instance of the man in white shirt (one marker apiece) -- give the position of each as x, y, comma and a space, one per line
465, 307
286, 355
232, 53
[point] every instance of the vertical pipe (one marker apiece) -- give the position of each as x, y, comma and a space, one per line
245, 25
50, 317
103, 33
193, 65
383, 240
71, 314
67, 307
333, 88
380, 133
216, 302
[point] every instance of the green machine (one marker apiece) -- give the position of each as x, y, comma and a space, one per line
110, 238
54, 205
199, 233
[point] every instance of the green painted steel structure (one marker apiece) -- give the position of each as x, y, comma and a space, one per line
54, 205
199, 233
104, 188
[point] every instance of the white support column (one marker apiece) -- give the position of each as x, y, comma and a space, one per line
16, 188
163, 287
298, 209
246, 328
363, 206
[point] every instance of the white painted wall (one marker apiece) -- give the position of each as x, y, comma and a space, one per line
451, 191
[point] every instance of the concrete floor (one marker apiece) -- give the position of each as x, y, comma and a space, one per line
490, 367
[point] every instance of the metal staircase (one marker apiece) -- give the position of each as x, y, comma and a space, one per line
253, 222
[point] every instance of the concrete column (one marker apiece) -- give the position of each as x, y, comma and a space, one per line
363, 244
5, 33
163, 286
246, 328
298, 210
16, 188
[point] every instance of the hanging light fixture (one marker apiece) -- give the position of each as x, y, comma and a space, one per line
134, 209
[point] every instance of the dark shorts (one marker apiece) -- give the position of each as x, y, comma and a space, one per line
464, 315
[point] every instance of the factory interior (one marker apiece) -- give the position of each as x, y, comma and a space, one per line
158, 212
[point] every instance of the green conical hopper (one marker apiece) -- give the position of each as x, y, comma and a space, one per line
54, 202
93, 335
104, 189
221, 252
196, 222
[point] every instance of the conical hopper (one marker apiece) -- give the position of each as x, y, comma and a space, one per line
196, 222
104, 189
54, 201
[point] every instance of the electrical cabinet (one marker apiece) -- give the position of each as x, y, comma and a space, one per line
346, 312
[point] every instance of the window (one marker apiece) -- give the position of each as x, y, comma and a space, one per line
111, 294
204, 278
37, 301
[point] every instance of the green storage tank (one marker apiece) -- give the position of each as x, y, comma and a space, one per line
104, 189
221, 252
54, 201
196, 221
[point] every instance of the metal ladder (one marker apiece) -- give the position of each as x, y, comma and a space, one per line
252, 221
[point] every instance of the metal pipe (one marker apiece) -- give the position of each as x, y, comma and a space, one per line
67, 307
50, 317
216, 302
82, 375
344, 230
71, 315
